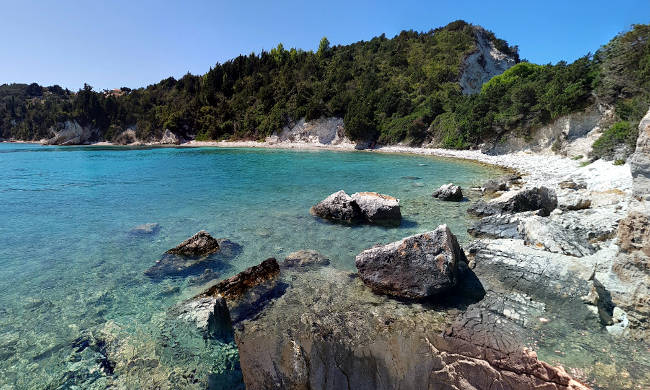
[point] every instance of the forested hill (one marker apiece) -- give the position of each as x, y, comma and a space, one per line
405, 89
383, 88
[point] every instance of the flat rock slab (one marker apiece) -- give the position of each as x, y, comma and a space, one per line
538, 198
304, 259
415, 267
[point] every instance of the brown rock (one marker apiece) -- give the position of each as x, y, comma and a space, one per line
234, 287
200, 244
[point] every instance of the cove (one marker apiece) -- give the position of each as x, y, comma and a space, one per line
72, 270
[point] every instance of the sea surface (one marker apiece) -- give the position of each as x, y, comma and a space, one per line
72, 282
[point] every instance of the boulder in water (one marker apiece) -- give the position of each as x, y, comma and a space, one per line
415, 267
378, 208
339, 207
200, 244
449, 192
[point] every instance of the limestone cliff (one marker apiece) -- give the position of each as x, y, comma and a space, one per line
483, 64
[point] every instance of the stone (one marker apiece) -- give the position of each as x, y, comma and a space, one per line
378, 208
339, 207
169, 138
537, 198
146, 229
634, 233
304, 259
571, 185
200, 244
543, 234
175, 265
502, 183
415, 267
575, 202
449, 192
497, 226
210, 315
640, 160
206, 276
235, 287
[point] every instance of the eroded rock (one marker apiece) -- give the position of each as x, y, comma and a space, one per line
378, 208
200, 244
146, 229
415, 267
449, 192
338, 207
537, 198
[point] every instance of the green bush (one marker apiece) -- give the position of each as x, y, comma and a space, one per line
619, 135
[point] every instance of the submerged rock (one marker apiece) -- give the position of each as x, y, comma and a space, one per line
538, 198
304, 259
415, 267
368, 207
171, 265
449, 192
146, 229
338, 207
200, 244
378, 208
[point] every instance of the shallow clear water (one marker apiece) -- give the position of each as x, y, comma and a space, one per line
68, 263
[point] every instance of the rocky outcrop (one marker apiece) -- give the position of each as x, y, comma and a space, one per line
200, 244
235, 287
329, 332
449, 192
169, 138
640, 160
378, 209
325, 131
369, 207
483, 64
415, 267
305, 259
71, 133
339, 207
540, 199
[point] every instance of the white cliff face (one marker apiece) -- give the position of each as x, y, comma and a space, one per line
70, 133
486, 62
325, 131
640, 160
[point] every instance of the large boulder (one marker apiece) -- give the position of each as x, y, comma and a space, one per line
200, 244
339, 207
415, 267
378, 208
449, 192
369, 207
502, 183
537, 198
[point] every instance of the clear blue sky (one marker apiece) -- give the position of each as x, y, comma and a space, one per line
114, 43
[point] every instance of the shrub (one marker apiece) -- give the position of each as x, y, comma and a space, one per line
621, 135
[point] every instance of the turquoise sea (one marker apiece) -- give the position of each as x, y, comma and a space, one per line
72, 272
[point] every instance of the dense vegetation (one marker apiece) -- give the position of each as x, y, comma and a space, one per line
403, 89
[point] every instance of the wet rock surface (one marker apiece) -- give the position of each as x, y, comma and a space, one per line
449, 192
200, 244
415, 267
174, 265
305, 259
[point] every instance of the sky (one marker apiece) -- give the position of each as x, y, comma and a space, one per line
114, 43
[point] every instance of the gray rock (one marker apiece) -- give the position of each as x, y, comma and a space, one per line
415, 267
640, 160
378, 208
339, 207
546, 234
537, 198
449, 192
502, 183
497, 226
200, 244
575, 202
304, 259
571, 185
